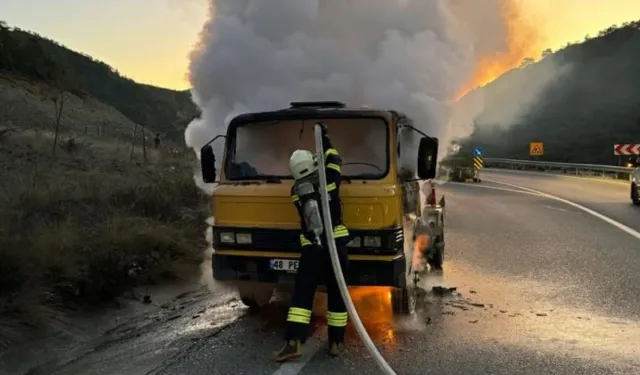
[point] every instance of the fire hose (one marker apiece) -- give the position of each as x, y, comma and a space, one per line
337, 270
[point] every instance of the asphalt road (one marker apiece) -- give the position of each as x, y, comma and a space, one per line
606, 196
544, 288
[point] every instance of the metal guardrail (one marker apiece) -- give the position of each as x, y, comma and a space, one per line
573, 169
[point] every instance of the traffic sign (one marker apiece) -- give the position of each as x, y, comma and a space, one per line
478, 163
478, 151
626, 149
536, 149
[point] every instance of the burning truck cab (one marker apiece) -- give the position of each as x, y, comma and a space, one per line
256, 232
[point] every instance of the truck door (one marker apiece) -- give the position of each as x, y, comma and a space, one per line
408, 144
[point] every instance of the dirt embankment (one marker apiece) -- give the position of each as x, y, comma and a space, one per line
83, 226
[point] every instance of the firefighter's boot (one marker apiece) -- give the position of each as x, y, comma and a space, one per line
335, 349
290, 350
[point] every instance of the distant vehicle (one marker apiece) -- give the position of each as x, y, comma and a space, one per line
635, 181
461, 169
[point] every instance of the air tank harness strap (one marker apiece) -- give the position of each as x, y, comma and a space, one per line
330, 187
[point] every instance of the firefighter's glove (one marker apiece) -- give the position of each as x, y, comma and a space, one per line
323, 126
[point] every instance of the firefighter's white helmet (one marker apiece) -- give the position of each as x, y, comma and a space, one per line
302, 163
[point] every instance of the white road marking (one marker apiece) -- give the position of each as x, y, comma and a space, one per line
591, 212
491, 187
556, 208
309, 350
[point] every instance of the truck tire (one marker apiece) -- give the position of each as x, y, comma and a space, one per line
635, 198
403, 298
436, 263
255, 295
403, 301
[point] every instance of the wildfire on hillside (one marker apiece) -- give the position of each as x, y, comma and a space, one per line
523, 40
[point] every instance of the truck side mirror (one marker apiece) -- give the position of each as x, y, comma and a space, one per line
208, 161
427, 158
208, 164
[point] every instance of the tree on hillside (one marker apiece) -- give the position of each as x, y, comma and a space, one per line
6, 59
527, 61
58, 99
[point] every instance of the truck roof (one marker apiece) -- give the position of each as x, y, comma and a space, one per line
314, 110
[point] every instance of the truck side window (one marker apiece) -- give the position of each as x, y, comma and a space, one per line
408, 144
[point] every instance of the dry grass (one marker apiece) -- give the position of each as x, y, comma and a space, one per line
87, 226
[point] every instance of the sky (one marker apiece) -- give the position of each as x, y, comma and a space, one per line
150, 40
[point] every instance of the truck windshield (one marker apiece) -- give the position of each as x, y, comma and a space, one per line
261, 150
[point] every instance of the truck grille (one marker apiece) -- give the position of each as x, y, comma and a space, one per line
288, 240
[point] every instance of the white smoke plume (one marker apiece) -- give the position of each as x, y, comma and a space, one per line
516, 94
410, 55
262, 54
206, 270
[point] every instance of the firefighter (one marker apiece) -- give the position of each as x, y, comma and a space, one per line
315, 261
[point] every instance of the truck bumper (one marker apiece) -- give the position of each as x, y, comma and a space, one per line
361, 271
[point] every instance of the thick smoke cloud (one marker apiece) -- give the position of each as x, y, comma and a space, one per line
411, 55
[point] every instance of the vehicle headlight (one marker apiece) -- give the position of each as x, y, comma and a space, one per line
355, 242
243, 238
372, 241
227, 237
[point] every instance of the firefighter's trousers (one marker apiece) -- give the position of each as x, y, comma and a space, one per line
315, 266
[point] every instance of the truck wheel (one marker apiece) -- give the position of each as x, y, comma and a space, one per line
635, 199
255, 295
403, 301
437, 261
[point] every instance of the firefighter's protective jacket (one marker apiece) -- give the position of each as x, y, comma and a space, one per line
333, 164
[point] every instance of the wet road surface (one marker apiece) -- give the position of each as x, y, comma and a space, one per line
542, 288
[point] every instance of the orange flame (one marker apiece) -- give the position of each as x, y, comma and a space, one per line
523, 41
374, 306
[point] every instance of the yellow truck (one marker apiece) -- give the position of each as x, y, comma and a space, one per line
256, 231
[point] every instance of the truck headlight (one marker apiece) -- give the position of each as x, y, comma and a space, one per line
355, 242
227, 237
374, 241
243, 238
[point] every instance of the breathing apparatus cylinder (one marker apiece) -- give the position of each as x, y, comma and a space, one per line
308, 194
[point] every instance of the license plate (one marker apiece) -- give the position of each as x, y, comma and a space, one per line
289, 265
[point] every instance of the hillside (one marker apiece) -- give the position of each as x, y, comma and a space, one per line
35, 57
89, 209
27, 105
579, 101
